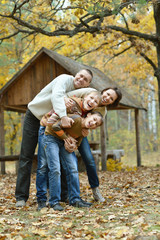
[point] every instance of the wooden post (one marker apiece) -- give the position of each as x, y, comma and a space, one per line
2, 143
103, 146
137, 137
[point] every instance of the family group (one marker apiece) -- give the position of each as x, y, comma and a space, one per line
59, 119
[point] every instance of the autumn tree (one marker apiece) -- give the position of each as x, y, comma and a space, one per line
119, 25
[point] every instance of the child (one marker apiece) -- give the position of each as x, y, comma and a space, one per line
53, 151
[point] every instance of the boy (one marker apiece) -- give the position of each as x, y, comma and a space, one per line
53, 151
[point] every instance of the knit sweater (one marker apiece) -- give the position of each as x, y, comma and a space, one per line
51, 117
52, 97
75, 131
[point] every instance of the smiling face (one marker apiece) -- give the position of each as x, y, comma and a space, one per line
108, 97
92, 121
91, 101
82, 79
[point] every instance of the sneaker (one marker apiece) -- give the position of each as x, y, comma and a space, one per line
88, 203
80, 203
41, 205
97, 195
20, 203
57, 207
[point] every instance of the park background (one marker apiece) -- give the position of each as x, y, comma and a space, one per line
122, 39
119, 38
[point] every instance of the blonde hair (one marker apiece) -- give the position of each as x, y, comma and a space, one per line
94, 93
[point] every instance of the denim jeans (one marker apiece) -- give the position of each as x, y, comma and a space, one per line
42, 173
54, 151
89, 162
42, 169
28, 146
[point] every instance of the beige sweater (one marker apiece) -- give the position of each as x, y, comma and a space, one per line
52, 97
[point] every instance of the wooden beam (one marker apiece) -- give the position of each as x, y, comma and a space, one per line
2, 142
103, 146
21, 109
11, 158
137, 137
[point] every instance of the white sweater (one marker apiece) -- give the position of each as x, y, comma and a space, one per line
80, 92
52, 97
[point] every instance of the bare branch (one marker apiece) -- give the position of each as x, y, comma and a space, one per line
92, 50
151, 38
116, 55
9, 36
125, 20
23, 3
85, 26
149, 60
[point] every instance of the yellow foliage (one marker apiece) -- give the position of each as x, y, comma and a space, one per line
114, 165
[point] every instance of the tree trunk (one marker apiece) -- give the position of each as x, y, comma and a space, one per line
2, 142
156, 7
137, 137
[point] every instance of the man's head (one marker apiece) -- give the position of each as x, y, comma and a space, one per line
83, 78
92, 120
91, 100
110, 97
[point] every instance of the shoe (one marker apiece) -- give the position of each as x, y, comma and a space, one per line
97, 195
87, 203
20, 203
80, 203
41, 205
57, 207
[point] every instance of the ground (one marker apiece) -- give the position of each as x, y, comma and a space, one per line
131, 210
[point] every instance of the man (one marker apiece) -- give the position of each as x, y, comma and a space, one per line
51, 96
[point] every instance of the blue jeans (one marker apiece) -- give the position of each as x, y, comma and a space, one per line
42, 173
89, 162
42, 169
53, 150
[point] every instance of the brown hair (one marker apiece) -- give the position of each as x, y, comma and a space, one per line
99, 114
119, 96
89, 71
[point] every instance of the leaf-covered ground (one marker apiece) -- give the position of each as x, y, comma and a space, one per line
131, 210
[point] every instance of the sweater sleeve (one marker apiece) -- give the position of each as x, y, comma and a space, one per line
64, 83
80, 92
57, 129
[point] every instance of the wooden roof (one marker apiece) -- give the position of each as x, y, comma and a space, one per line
43, 68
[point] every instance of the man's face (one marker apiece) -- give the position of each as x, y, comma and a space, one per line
92, 121
90, 101
82, 79
108, 97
